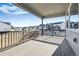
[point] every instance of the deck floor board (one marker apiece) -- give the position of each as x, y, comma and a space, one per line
31, 48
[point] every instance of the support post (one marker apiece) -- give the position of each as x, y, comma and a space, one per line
65, 24
68, 11
78, 15
69, 19
42, 27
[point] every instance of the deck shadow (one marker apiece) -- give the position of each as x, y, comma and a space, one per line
64, 50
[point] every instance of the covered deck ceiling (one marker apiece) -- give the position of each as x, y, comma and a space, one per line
48, 10
45, 10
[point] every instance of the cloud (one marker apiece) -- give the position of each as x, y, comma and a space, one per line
12, 10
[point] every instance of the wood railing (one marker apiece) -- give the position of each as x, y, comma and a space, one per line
10, 38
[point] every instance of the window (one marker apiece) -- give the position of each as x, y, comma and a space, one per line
74, 16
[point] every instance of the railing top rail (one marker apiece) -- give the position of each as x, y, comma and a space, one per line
2, 32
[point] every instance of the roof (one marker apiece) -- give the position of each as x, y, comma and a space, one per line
57, 23
6, 23
52, 23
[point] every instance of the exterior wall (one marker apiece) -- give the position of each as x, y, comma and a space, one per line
74, 43
4, 27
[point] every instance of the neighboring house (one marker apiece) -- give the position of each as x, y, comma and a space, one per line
5, 26
60, 24
18, 28
25, 28
52, 25
32, 28
40, 26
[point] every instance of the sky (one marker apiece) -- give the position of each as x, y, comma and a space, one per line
20, 18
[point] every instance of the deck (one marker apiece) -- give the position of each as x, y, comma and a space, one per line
41, 46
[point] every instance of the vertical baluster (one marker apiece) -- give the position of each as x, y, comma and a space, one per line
20, 36
11, 38
29, 34
16, 37
8, 38
5, 39
1, 40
